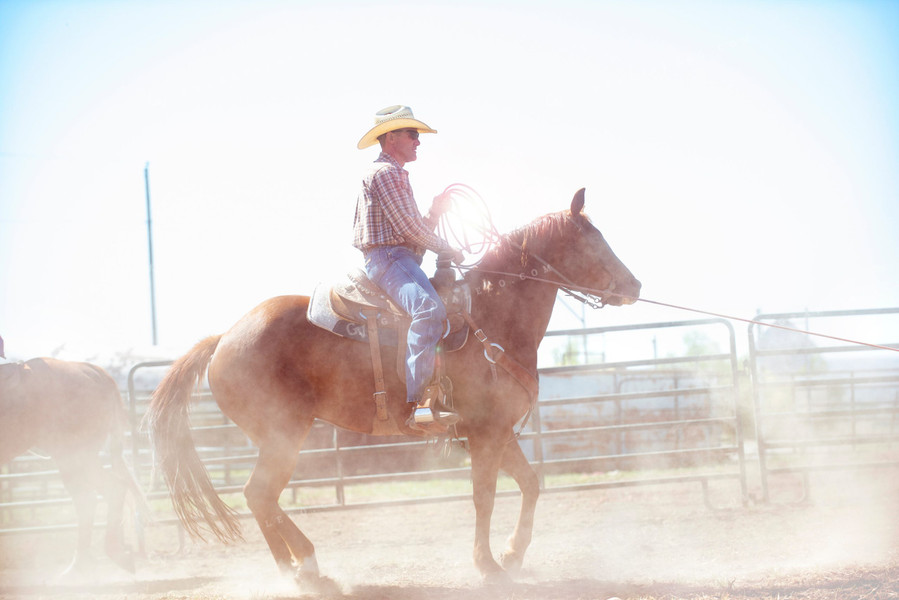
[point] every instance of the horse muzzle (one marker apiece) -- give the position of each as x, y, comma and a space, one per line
623, 295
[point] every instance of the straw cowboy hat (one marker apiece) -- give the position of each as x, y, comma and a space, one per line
391, 119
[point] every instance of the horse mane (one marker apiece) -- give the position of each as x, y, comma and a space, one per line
512, 252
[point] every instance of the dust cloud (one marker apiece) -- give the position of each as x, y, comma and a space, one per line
636, 542
667, 535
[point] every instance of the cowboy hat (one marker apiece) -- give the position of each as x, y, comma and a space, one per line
391, 119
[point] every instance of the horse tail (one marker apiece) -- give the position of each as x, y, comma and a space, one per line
195, 500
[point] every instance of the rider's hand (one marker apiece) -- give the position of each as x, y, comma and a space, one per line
444, 257
440, 205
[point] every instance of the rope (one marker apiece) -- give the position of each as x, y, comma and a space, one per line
597, 292
467, 218
468, 210
774, 325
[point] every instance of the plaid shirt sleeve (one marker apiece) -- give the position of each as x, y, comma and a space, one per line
387, 214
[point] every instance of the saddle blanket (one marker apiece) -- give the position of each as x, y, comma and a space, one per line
320, 313
353, 325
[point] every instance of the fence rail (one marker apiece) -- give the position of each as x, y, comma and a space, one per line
824, 406
637, 406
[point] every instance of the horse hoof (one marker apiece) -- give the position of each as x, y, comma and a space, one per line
511, 562
497, 578
81, 570
124, 559
309, 580
318, 585
308, 568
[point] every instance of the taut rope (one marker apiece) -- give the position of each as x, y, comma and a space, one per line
483, 224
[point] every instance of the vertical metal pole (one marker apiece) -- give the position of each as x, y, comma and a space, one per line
584, 337
135, 459
539, 455
150, 247
758, 412
339, 488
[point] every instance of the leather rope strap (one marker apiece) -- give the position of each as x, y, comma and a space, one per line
520, 374
380, 395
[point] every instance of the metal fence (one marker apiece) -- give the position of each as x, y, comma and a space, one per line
634, 420
622, 406
642, 418
823, 404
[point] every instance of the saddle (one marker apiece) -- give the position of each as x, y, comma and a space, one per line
348, 308
356, 308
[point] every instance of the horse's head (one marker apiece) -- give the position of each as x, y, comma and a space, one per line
12, 400
562, 248
10, 377
589, 263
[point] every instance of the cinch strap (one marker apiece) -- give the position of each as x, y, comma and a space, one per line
380, 395
524, 377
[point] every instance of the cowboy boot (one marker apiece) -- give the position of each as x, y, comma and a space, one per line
434, 413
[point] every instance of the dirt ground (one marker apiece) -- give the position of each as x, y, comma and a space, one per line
657, 542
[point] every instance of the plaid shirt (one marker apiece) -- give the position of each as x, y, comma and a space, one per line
387, 214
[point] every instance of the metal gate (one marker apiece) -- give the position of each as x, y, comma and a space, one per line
619, 406
641, 418
822, 404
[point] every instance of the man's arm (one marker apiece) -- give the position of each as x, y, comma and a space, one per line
401, 210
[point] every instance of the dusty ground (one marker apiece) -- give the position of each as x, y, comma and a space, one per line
655, 542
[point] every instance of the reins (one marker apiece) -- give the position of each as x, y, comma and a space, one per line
594, 298
590, 297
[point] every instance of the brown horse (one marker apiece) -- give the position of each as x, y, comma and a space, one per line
274, 373
69, 410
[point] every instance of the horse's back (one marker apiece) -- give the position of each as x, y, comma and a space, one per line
274, 368
264, 335
74, 384
254, 356
64, 408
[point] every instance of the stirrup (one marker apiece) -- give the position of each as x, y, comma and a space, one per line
431, 414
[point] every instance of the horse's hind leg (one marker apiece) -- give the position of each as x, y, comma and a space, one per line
113, 489
285, 540
516, 465
78, 483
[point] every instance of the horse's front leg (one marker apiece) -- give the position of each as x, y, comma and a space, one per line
486, 455
516, 464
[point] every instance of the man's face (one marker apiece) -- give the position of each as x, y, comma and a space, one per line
405, 143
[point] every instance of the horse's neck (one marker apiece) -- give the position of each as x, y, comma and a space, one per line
518, 316
517, 307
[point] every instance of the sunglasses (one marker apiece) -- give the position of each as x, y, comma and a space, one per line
413, 133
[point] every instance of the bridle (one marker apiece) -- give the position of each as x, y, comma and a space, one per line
494, 353
470, 213
594, 298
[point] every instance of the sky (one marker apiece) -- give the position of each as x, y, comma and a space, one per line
739, 157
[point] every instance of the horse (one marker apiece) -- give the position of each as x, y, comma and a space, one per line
273, 373
70, 410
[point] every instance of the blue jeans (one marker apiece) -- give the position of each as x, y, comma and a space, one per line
397, 270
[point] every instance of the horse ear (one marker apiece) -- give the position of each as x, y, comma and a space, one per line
577, 203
